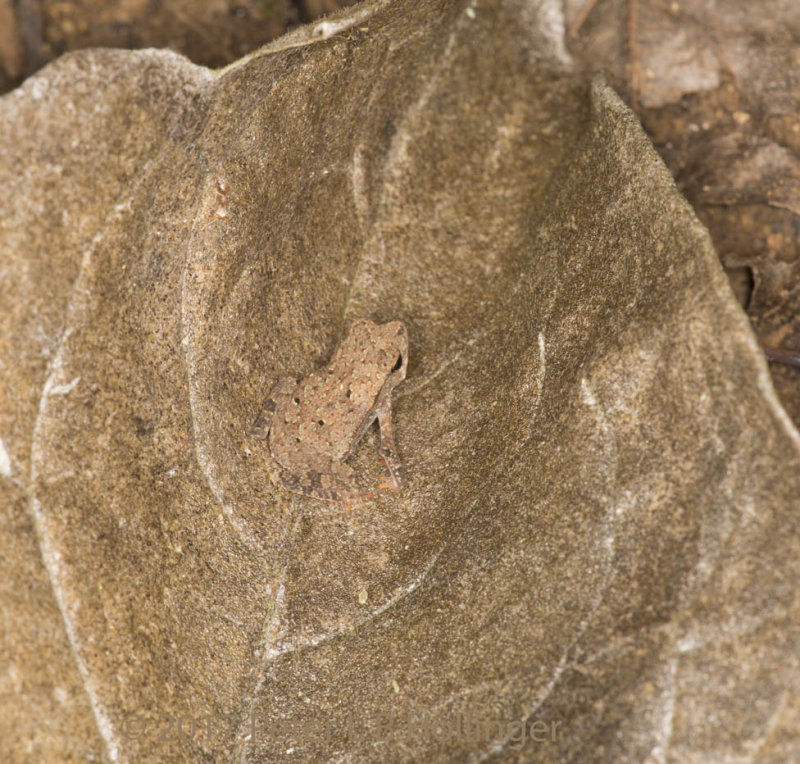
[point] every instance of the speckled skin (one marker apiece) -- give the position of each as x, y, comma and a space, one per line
314, 424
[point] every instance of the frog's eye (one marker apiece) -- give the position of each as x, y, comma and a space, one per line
398, 363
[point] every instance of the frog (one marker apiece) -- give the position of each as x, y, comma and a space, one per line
313, 424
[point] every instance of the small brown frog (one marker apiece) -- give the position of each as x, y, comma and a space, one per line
314, 423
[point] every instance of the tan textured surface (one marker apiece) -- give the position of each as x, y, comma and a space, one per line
599, 532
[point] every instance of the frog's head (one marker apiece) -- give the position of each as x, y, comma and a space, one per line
384, 346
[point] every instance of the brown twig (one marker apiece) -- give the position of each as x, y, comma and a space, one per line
576, 25
29, 17
12, 56
753, 201
633, 49
776, 355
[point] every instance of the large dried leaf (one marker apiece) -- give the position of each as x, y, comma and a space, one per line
597, 549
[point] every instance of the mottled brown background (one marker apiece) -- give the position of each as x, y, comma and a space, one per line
599, 536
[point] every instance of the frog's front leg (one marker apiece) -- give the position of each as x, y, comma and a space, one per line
388, 451
282, 390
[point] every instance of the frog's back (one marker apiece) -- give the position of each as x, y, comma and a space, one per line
331, 407
319, 420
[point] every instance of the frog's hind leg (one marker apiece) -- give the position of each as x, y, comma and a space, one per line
281, 390
388, 453
336, 482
